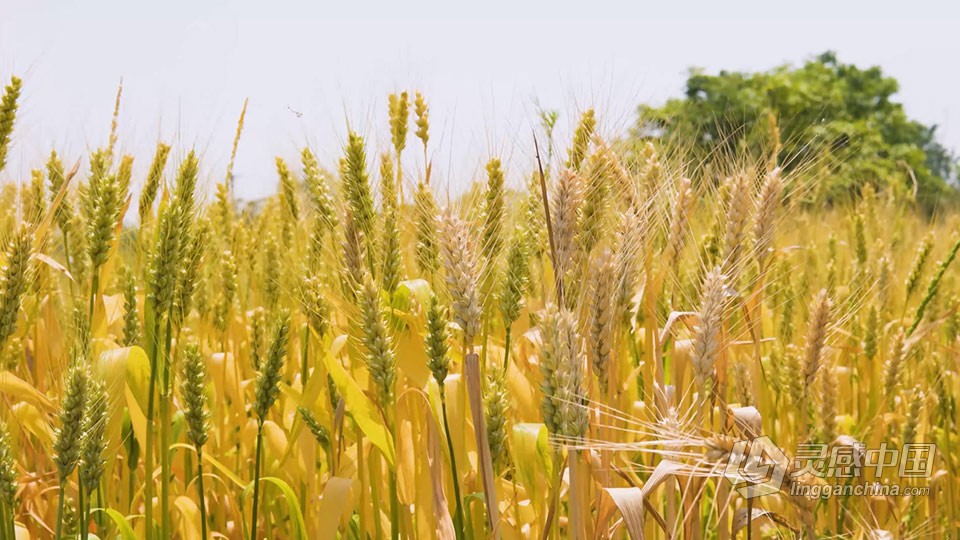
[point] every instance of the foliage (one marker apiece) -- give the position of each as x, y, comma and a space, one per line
827, 112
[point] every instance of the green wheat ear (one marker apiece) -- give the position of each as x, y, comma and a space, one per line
8, 485
355, 184
390, 265
399, 109
68, 444
319, 432
496, 403
581, 139
493, 211
34, 201
436, 342
71, 521
124, 175
172, 249
288, 189
267, 390
8, 114
315, 305
919, 263
131, 318
193, 386
596, 194
380, 357
163, 261
8, 469
63, 212
189, 275
516, 281
425, 220
151, 185
101, 209
93, 443
268, 378
15, 279
318, 190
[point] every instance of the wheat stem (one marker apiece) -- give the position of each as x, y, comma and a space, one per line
201, 496
60, 506
256, 482
458, 519
82, 510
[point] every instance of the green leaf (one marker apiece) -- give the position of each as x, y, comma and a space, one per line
124, 530
293, 506
223, 469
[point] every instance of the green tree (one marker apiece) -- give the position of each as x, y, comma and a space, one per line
827, 113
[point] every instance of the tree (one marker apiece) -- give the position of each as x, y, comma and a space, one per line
827, 112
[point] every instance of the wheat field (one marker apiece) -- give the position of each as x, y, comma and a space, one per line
363, 355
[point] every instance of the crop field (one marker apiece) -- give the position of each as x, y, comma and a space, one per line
604, 339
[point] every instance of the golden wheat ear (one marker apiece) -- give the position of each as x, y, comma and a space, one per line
462, 280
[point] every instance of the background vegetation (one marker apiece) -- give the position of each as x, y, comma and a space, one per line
844, 117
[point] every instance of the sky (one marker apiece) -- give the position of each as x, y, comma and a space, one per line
311, 70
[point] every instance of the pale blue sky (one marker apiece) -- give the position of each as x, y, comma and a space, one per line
187, 66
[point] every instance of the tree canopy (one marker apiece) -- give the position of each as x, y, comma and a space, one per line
828, 113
